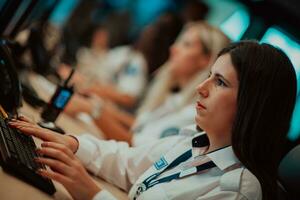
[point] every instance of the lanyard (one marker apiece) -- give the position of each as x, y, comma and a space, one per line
151, 180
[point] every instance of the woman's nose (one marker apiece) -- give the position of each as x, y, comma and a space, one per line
203, 89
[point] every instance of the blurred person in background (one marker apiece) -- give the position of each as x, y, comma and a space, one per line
172, 89
130, 66
127, 66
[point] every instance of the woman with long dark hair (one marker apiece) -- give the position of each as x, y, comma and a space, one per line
244, 108
266, 98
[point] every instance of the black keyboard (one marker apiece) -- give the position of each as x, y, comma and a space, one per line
17, 157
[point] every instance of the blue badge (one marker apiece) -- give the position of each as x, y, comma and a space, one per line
160, 163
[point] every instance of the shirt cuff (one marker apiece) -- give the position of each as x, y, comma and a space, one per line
104, 195
86, 149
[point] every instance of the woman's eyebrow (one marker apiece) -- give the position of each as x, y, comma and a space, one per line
223, 78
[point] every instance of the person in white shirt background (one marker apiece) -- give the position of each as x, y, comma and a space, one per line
122, 76
190, 59
245, 112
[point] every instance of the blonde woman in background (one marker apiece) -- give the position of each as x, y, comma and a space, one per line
189, 64
164, 112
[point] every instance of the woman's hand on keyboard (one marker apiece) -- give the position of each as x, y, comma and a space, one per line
67, 170
30, 128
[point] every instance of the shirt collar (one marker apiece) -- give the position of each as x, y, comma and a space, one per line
223, 158
190, 130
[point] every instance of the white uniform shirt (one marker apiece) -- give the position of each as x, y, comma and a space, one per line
122, 66
165, 126
92, 64
129, 70
169, 106
126, 167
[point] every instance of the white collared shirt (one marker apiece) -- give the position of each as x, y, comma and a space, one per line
127, 167
160, 127
122, 66
130, 70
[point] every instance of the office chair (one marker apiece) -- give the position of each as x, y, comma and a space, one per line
289, 174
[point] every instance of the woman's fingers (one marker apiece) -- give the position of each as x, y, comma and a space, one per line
67, 170
25, 119
60, 159
16, 122
64, 180
55, 165
39, 133
57, 157
34, 130
55, 154
80, 186
58, 147
21, 124
42, 133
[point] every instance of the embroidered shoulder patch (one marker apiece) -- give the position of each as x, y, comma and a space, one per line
160, 163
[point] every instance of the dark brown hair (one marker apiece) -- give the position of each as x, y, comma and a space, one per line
266, 98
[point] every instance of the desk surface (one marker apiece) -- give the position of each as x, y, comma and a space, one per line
13, 188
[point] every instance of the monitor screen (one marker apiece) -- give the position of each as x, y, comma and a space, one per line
279, 38
2, 4
62, 98
18, 15
63, 11
236, 25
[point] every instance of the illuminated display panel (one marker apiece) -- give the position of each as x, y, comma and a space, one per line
236, 25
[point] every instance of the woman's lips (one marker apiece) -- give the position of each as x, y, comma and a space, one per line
200, 106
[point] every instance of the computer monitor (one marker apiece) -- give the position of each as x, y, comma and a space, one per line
41, 11
2, 3
278, 37
19, 14
236, 25
7, 11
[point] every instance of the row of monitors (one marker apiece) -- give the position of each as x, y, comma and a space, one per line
236, 25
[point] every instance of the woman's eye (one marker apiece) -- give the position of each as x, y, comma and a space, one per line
220, 82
